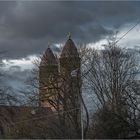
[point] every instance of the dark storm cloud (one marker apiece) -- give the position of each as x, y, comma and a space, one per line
26, 27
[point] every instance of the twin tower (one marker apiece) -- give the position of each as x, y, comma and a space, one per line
60, 78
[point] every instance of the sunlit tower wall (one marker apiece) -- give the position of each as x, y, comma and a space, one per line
70, 65
48, 71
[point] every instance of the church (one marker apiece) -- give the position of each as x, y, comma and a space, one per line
60, 76
60, 84
59, 95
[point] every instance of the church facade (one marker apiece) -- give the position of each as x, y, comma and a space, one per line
60, 76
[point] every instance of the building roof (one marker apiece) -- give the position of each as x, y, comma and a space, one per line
48, 58
27, 117
69, 49
17, 111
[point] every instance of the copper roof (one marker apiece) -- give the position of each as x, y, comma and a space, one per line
48, 58
69, 49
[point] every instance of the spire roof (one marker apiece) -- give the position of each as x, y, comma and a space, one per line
48, 58
69, 49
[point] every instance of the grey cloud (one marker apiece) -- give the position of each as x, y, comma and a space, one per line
15, 68
54, 20
21, 48
26, 27
15, 78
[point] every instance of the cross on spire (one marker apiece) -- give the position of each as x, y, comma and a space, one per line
69, 35
49, 44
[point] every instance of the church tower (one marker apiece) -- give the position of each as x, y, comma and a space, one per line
60, 87
48, 71
70, 70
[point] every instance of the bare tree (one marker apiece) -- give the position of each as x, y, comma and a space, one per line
68, 125
111, 76
7, 98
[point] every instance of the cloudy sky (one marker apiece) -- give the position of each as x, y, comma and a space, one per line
26, 27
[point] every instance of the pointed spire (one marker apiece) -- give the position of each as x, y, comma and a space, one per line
48, 57
69, 49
